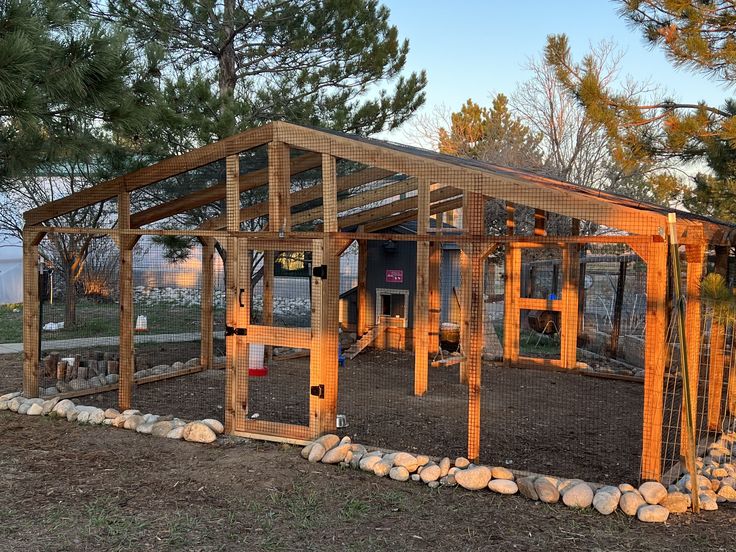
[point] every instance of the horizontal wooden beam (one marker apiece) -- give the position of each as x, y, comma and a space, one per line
295, 338
280, 240
533, 303
146, 176
248, 181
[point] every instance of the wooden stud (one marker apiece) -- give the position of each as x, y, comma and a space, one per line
569, 317
316, 378
421, 300
127, 355
654, 361
512, 293
242, 342
329, 335
721, 260
695, 257
330, 297
363, 318
329, 193
206, 304
31, 313
232, 291
435, 296
279, 187
540, 222
474, 307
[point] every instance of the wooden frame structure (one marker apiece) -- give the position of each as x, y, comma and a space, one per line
403, 184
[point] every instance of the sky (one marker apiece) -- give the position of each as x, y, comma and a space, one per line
475, 49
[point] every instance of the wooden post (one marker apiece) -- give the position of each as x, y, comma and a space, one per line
421, 301
473, 315
279, 187
317, 424
206, 303
127, 355
362, 326
512, 291
435, 296
654, 361
330, 295
31, 313
242, 317
232, 279
695, 257
618, 306
569, 318
540, 222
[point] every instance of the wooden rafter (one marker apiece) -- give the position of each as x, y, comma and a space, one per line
541, 193
248, 181
344, 183
146, 176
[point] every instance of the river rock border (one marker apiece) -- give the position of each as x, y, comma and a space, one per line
198, 431
651, 502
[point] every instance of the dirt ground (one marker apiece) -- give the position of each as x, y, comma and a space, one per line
543, 421
77, 488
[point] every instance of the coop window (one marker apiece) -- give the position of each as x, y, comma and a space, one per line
393, 303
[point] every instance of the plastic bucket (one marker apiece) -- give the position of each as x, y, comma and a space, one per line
256, 365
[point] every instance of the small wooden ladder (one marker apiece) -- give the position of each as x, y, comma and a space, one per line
367, 338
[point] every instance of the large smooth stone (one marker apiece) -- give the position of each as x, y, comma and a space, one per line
399, 473
473, 479
367, 463
499, 472
579, 495
430, 472
382, 468
546, 490
653, 492
35, 410
197, 432
676, 502
631, 502
161, 429
175, 433
652, 513
214, 425
503, 486
526, 488
132, 422
336, 455
606, 500
406, 460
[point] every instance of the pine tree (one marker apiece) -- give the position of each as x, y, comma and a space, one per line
230, 65
698, 35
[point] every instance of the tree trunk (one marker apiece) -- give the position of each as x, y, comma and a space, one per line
70, 300
227, 77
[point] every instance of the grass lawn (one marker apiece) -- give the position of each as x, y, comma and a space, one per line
102, 319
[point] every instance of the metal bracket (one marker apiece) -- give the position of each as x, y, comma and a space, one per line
320, 272
318, 390
232, 330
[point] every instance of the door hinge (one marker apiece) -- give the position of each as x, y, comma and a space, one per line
318, 390
320, 272
232, 330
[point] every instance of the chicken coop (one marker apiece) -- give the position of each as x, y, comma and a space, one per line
247, 327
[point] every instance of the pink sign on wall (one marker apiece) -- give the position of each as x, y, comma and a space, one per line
395, 276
